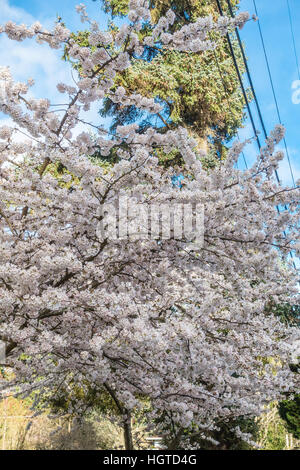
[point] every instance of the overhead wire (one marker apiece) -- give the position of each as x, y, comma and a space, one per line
226, 96
240, 81
275, 99
248, 72
273, 89
293, 36
253, 91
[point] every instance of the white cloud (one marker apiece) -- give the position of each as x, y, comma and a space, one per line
32, 60
13, 13
28, 59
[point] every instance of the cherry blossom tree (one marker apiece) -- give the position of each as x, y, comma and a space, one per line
186, 329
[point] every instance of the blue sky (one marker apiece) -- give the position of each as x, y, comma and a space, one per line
28, 59
275, 25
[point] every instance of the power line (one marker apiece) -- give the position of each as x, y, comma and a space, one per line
248, 71
251, 83
240, 80
226, 96
253, 91
242, 84
273, 89
277, 108
293, 37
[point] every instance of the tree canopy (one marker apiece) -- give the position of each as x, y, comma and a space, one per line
128, 286
200, 91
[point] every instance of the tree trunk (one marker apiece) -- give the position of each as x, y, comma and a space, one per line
128, 432
175, 443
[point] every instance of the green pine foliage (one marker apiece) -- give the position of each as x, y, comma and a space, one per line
200, 91
289, 411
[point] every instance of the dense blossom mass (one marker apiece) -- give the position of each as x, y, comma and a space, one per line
190, 331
